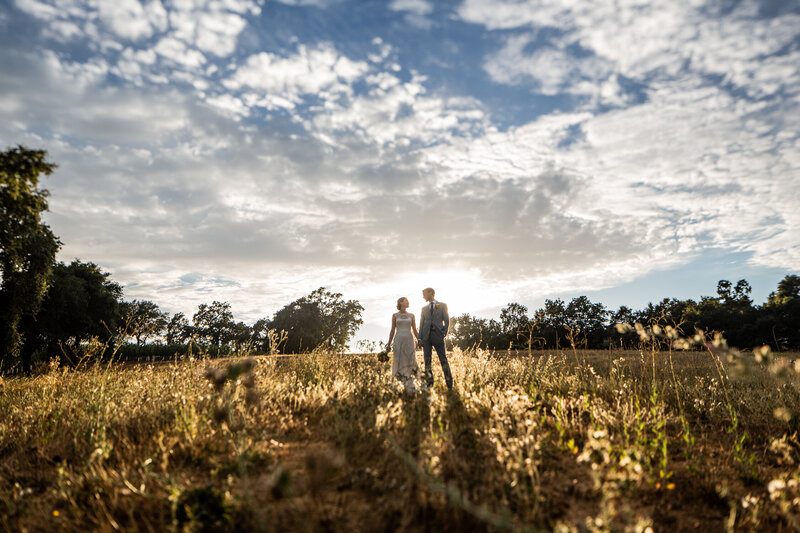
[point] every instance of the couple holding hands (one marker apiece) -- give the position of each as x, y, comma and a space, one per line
434, 322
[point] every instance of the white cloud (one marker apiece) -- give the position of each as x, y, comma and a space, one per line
415, 12
186, 34
157, 15
125, 18
42, 10
418, 7
212, 30
640, 41
177, 52
229, 104
399, 114
552, 68
682, 171
695, 161
309, 71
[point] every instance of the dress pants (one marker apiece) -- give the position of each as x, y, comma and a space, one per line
436, 340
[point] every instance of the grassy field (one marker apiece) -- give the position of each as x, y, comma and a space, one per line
571, 441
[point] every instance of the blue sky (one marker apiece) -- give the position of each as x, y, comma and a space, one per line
502, 151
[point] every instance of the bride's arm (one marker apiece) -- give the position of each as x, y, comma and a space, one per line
391, 333
414, 327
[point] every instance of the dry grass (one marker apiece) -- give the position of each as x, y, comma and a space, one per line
567, 441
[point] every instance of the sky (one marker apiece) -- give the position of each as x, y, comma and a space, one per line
252, 151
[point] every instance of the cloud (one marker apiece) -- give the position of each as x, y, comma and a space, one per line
209, 26
308, 71
687, 169
415, 12
398, 114
180, 54
124, 19
418, 7
647, 41
554, 70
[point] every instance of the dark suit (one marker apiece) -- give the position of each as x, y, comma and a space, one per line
434, 323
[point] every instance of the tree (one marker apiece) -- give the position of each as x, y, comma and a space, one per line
729, 294
788, 290
322, 319
143, 319
724, 290
516, 325
553, 322
670, 312
779, 323
472, 332
623, 315
587, 320
27, 246
178, 330
82, 302
213, 322
730, 313
241, 336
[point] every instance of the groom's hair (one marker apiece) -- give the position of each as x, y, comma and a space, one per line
428, 289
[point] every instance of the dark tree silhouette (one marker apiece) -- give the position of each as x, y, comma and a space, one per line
213, 322
178, 330
27, 246
321, 320
143, 319
82, 302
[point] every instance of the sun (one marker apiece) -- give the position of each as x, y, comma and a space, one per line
462, 290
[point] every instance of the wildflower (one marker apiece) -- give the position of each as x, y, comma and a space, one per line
782, 414
56, 513
749, 501
643, 334
681, 344
762, 354
623, 328
775, 488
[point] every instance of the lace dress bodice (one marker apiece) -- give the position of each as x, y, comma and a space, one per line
403, 324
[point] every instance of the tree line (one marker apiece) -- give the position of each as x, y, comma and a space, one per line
50, 308
585, 324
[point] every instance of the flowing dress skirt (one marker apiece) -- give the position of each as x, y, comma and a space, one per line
404, 360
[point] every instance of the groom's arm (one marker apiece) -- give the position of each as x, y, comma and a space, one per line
445, 319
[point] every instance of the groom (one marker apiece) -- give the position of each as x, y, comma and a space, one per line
433, 325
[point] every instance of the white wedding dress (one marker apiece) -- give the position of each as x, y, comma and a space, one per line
404, 360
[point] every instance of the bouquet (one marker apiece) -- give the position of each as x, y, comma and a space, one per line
383, 356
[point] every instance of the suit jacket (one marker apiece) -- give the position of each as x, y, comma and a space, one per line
438, 321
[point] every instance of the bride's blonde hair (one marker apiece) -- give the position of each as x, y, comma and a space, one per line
400, 300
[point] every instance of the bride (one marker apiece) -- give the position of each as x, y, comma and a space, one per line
404, 333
